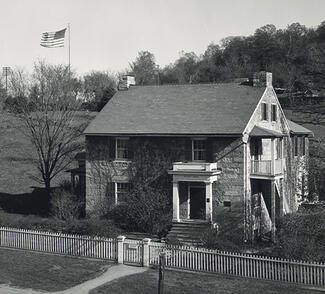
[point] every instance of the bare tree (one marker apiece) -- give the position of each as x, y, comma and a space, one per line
18, 85
50, 120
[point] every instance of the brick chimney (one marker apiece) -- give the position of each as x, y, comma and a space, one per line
126, 81
262, 79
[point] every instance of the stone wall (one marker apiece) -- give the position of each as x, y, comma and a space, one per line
229, 154
102, 169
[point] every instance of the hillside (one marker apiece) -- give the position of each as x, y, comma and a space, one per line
311, 116
17, 155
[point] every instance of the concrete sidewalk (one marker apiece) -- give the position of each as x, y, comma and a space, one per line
112, 273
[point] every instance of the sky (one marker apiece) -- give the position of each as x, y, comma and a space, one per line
108, 34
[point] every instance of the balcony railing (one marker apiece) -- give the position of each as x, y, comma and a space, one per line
195, 166
265, 167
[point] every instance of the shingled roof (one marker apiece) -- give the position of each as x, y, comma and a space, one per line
298, 129
200, 109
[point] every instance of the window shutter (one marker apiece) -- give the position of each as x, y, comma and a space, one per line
112, 148
131, 148
209, 148
188, 149
110, 191
266, 112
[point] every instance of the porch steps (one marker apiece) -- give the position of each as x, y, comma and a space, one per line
187, 232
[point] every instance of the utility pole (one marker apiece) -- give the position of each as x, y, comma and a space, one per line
6, 71
158, 76
162, 261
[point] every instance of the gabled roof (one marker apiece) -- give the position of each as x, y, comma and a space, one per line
264, 133
298, 129
200, 109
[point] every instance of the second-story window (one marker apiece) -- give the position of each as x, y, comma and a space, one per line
199, 150
274, 113
264, 111
122, 148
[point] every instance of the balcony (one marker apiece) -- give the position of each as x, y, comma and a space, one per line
267, 167
194, 171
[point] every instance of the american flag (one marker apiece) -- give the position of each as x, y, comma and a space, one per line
53, 39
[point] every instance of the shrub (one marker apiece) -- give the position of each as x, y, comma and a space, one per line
30, 222
65, 205
230, 223
89, 105
302, 236
91, 226
15, 104
209, 239
147, 210
228, 233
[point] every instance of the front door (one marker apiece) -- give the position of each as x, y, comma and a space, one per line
197, 203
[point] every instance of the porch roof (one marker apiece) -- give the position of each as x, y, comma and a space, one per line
265, 133
298, 129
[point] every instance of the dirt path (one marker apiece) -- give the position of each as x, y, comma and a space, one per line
111, 274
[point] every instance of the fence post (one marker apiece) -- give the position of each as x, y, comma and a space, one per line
146, 253
120, 249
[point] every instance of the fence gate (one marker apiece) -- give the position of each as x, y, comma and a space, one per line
133, 253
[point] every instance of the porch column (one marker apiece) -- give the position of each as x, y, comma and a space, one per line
273, 209
272, 156
175, 202
208, 201
281, 197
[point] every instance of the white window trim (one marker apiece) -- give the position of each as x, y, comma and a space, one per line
116, 153
198, 139
115, 190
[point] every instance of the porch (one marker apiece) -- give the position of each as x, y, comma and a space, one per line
266, 152
267, 205
192, 190
267, 167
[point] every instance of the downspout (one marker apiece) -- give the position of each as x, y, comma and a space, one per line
246, 214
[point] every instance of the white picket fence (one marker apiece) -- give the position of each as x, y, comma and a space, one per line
244, 265
146, 253
76, 245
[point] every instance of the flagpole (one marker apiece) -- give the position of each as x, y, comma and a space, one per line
69, 48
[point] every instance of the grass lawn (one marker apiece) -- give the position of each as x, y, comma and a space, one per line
177, 282
46, 272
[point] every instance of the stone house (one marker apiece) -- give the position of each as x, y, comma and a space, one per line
231, 143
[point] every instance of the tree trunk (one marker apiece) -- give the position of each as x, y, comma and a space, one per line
47, 183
